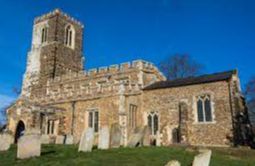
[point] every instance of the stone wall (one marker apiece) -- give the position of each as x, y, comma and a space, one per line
166, 103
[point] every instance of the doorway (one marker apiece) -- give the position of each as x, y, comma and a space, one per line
19, 130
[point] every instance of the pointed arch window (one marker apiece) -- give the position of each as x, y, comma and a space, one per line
69, 36
153, 122
44, 34
204, 108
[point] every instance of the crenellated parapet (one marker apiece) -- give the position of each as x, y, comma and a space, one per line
103, 81
110, 70
57, 12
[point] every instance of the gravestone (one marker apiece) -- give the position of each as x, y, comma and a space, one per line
29, 145
173, 163
60, 139
158, 139
87, 140
45, 139
69, 139
104, 138
146, 137
115, 136
136, 137
5, 141
202, 159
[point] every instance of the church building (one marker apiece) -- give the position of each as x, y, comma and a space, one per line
60, 97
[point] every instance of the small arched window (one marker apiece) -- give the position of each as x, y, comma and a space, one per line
44, 35
69, 36
204, 108
153, 122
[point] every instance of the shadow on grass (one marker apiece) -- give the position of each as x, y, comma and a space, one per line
48, 152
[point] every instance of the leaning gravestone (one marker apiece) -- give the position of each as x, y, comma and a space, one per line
69, 139
136, 137
202, 159
87, 140
146, 136
29, 145
115, 136
45, 139
60, 139
5, 141
104, 138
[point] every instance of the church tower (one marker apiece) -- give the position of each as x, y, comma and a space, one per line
56, 49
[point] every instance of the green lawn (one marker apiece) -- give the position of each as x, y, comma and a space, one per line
68, 155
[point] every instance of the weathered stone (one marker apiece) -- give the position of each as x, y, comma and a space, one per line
158, 139
87, 140
173, 163
45, 139
29, 146
202, 159
137, 137
60, 139
5, 141
146, 137
115, 136
104, 138
69, 140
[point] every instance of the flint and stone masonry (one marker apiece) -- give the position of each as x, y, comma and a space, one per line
60, 98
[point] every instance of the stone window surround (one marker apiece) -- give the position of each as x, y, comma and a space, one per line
212, 97
67, 41
44, 34
154, 113
132, 118
53, 128
86, 124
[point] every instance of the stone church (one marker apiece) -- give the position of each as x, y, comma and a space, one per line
59, 97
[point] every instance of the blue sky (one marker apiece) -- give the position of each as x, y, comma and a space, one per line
217, 33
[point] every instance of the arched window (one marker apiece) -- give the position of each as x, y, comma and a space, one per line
204, 108
153, 122
44, 35
69, 36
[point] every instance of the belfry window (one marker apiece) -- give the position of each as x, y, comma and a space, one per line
153, 122
44, 35
204, 108
69, 36
93, 119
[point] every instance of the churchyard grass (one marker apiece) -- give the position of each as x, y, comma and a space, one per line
155, 156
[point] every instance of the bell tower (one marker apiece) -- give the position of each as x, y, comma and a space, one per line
56, 49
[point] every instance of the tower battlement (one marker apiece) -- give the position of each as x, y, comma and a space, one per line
54, 13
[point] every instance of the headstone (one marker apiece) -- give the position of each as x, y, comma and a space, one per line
158, 139
173, 163
60, 139
69, 139
87, 140
29, 145
146, 136
45, 139
136, 137
115, 136
202, 159
5, 141
104, 138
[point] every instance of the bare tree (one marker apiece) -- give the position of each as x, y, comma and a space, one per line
180, 66
250, 97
